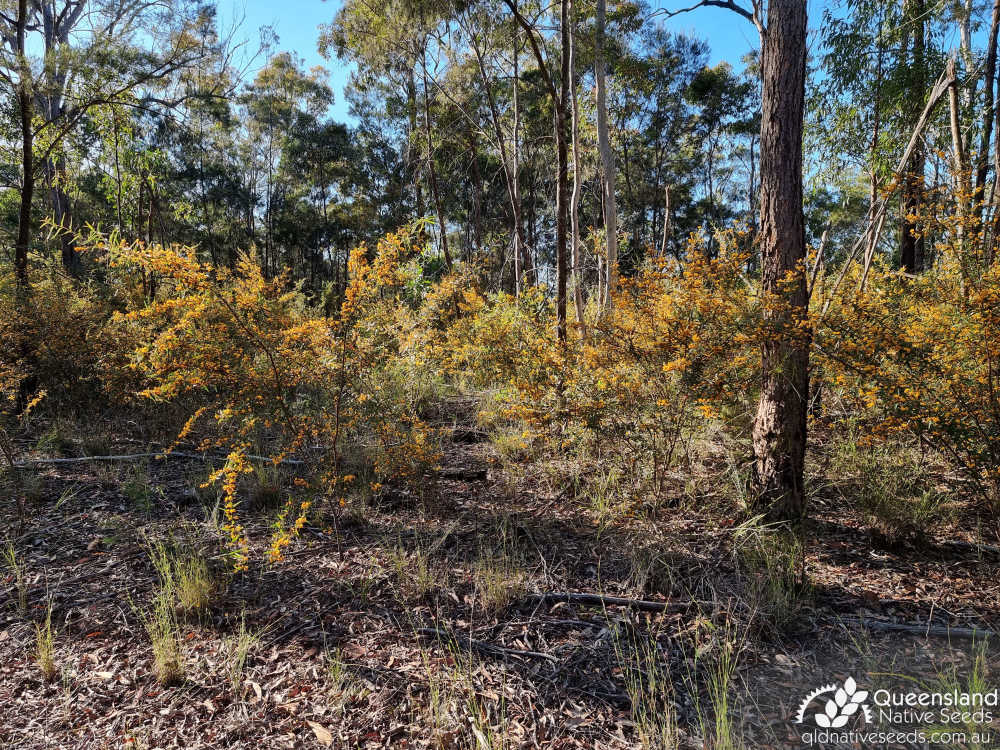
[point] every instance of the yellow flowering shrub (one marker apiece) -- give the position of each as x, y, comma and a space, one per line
340, 388
919, 356
265, 369
679, 346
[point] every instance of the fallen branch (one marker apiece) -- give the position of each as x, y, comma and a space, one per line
976, 547
137, 456
601, 600
482, 647
924, 630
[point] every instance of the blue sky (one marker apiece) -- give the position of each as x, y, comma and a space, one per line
297, 22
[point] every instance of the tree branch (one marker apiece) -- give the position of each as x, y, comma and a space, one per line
542, 67
751, 16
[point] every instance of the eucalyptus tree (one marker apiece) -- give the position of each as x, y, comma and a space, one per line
651, 119
878, 62
779, 429
389, 43
556, 84
608, 170
499, 78
277, 100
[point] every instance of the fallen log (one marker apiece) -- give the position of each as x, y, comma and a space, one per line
975, 547
137, 456
925, 630
464, 474
600, 600
482, 647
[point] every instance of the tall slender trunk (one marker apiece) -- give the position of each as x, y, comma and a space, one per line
269, 196
873, 177
26, 346
412, 162
560, 104
430, 164
752, 192
62, 213
963, 16
667, 223
519, 249
562, 175
574, 204
25, 112
477, 191
994, 187
56, 26
607, 159
779, 431
960, 166
911, 244
989, 96
509, 169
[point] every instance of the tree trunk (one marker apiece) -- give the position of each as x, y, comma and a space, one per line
574, 205
560, 104
477, 192
667, 224
430, 168
50, 103
562, 181
779, 431
25, 345
412, 162
994, 188
27, 191
873, 181
510, 170
963, 184
989, 96
607, 159
911, 245
519, 248
25, 110
62, 213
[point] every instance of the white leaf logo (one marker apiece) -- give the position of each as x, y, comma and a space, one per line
831, 709
837, 711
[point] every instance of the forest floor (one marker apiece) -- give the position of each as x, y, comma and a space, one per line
344, 653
